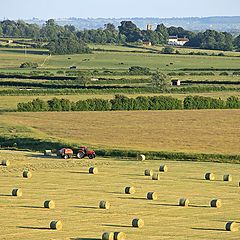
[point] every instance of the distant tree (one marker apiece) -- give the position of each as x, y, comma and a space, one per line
162, 32
51, 30
151, 36
180, 32
67, 44
110, 27
237, 42
70, 28
160, 80
130, 30
211, 39
1, 31
83, 79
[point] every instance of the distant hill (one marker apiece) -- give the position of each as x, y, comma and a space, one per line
229, 24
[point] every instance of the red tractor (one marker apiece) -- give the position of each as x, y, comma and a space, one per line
85, 152
82, 152
65, 153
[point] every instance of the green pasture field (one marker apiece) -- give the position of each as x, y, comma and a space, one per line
12, 58
77, 194
153, 61
140, 48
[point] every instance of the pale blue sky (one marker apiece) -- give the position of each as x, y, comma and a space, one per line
44, 9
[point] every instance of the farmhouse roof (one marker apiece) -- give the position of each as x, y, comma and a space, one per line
183, 39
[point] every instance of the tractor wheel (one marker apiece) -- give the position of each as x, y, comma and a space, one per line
80, 155
65, 156
91, 156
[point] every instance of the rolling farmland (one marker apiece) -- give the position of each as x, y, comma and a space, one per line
77, 194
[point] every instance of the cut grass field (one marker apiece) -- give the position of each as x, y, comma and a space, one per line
199, 131
10, 102
77, 195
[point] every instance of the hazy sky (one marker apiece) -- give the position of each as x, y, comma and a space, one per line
44, 9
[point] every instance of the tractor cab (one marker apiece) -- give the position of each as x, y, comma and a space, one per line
83, 148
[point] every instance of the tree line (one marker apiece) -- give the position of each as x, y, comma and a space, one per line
67, 39
121, 102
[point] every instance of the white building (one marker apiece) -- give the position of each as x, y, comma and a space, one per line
176, 41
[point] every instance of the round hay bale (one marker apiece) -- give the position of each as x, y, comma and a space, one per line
17, 192
108, 236
141, 157
137, 223
163, 168
27, 174
93, 170
217, 203
227, 178
49, 204
184, 202
47, 152
210, 176
56, 225
148, 172
155, 176
104, 205
119, 236
130, 190
232, 226
6, 163
152, 196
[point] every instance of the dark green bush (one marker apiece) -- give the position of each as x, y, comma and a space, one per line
29, 65
233, 102
224, 74
199, 102
137, 70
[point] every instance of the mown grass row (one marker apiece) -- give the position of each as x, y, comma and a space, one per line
40, 145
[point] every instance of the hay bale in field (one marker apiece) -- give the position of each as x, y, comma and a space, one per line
148, 172
56, 225
47, 152
210, 176
184, 202
137, 223
17, 192
108, 236
119, 236
232, 226
141, 157
49, 204
152, 196
130, 190
93, 170
6, 163
155, 176
217, 203
104, 204
227, 178
163, 168
27, 174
